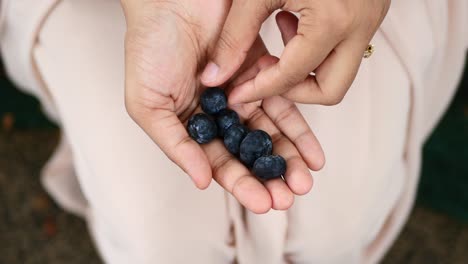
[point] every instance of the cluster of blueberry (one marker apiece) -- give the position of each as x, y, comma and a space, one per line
253, 148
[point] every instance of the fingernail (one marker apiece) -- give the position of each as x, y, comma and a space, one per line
210, 73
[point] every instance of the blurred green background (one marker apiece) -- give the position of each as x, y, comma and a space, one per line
444, 179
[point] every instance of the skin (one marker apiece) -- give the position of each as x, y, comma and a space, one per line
166, 47
329, 39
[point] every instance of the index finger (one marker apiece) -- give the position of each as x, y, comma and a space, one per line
302, 55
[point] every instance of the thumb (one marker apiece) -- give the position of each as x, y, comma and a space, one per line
240, 30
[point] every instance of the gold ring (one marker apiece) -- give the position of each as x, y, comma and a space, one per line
370, 49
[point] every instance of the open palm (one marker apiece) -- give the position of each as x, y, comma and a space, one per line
167, 44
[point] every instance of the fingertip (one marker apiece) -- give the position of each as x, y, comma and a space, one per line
243, 93
281, 195
260, 204
315, 158
298, 177
261, 209
253, 195
210, 74
217, 73
202, 176
192, 159
311, 150
233, 99
305, 187
318, 162
202, 184
246, 91
283, 202
235, 96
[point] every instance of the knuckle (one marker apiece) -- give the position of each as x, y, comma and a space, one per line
255, 116
238, 183
344, 20
288, 78
285, 114
227, 41
180, 142
278, 138
221, 162
338, 19
271, 5
140, 101
284, 202
312, 21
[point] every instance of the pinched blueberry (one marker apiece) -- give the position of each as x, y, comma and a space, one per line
213, 100
202, 128
225, 119
255, 145
269, 167
234, 136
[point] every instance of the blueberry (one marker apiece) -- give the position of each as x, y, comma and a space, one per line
225, 119
255, 145
213, 100
269, 167
202, 128
234, 136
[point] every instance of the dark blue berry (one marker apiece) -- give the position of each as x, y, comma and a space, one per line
269, 167
225, 119
202, 128
234, 136
255, 145
213, 100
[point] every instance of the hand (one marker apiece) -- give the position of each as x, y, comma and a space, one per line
166, 44
329, 39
